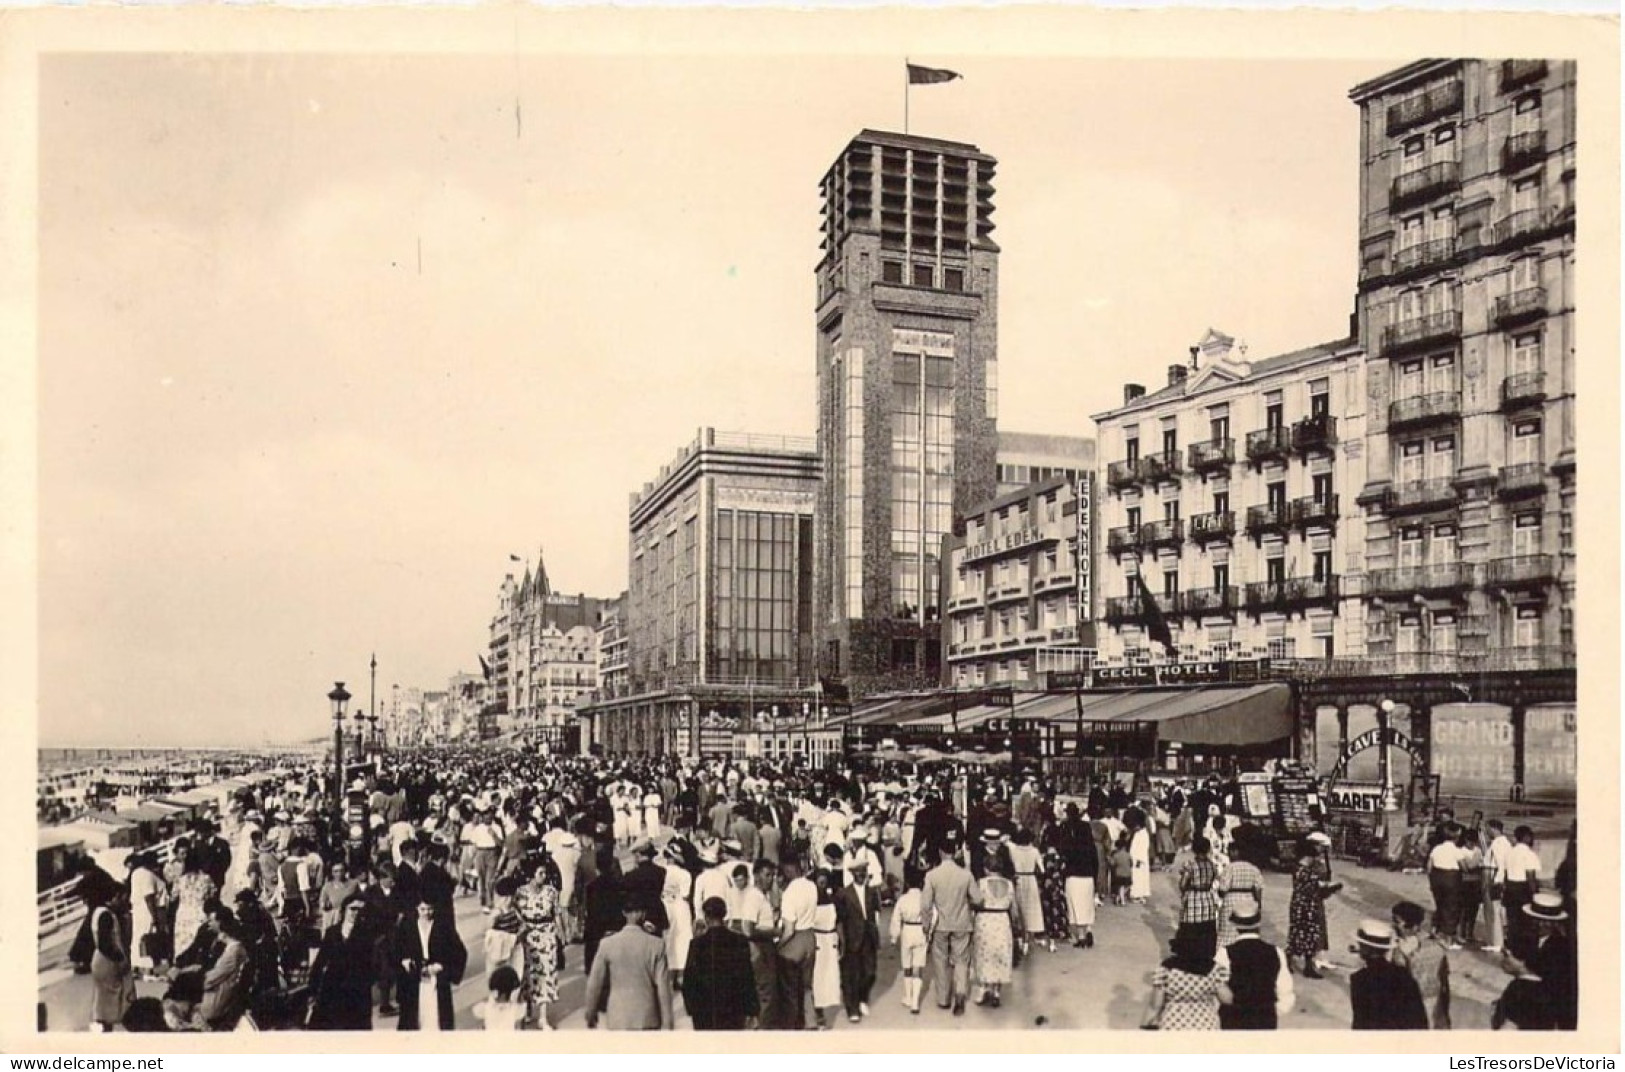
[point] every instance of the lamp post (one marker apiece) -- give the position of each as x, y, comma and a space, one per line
339, 698
372, 690
1388, 801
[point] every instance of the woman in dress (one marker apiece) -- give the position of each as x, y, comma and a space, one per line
536, 903
147, 897
112, 980
826, 976
343, 974
676, 895
623, 815
1241, 891
1054, 899
193, 891
1187, 989
1139, 851
651, 812
996, 921
1027, 869
1306, 923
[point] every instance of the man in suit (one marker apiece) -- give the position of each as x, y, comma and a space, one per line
1260, 984
949, 890
1382, 995
857, 913
719, 988
628, 985
427, 947
643, 885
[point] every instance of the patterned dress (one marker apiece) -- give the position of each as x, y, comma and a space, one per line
538, 918
1191, 1001
1306, 925
1054, 897
993, 940
1242, 886
194, 890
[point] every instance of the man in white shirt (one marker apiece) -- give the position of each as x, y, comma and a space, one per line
1497, 854
1522, 880
860, 855
797, 909
1444, 879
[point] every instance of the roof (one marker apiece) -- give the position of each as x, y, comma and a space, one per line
1399, 78
1213, 715
51, 837
1255, 369
916, 141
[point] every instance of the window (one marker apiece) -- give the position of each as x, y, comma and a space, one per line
1442, 462
1526, 534
1409, 305
1411, 230
1444, 144
953, 279
1221, 576
1525, 273
1525, 447
1221, 502
1051, 560
1412, 459
1322, 566
1277, 495
1414, 149
1284, 648
1526, 194
1170, 583
1275, 570
1408, 638
1410, 547
1320, 399
1323, 487
1442, 550
1442, 373
1132, 446
1170, 436
1442, 637
891, 271
1274, 414
1526, 353
1052, 508
1218, 423
1526, 627
1170, 509
1526, 114
924, 276
1133, 518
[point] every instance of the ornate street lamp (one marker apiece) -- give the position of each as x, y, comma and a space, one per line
1389, 800
339, 698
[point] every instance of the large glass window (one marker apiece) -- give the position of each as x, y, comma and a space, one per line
756, 557
922, 470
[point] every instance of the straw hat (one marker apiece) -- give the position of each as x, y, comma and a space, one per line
1374, 936
1546, 907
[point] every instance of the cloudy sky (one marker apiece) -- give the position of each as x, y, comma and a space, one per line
324, 339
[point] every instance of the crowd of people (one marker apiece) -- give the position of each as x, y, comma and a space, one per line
752, 894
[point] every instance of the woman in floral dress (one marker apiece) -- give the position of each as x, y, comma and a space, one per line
1054, 898
193, 891
1187, 989
996, 921
536, 904
1306, 925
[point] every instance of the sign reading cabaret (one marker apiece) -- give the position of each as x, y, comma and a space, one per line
1136, 677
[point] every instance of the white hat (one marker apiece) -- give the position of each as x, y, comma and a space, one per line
1374, 936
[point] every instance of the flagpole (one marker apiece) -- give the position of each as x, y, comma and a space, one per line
906, 82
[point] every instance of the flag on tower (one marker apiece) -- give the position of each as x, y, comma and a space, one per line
925, 76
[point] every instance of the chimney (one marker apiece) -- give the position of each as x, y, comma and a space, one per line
1131, 391
1196, 352
1177, 374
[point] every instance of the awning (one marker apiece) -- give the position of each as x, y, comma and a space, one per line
1216, 715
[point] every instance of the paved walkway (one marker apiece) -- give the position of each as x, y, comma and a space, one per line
1069, 989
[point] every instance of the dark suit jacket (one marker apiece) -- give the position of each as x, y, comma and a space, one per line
642, 886
1385, 997
445, 949
719, 988
858, 932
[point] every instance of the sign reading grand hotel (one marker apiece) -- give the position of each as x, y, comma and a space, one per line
1136, 677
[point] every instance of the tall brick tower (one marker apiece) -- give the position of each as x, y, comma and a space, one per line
907, 394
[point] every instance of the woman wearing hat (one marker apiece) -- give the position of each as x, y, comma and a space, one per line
1306, 923
1382, 995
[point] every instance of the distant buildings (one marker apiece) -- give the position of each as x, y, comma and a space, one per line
1025, 458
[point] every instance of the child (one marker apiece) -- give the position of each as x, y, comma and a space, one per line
1425, 957
908, 934
501, 1012
502, 948
1122, 871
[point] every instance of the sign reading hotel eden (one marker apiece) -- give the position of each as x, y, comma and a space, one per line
1010, 541
1086, 510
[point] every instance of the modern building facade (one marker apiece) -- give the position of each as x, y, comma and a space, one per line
1026, 458
1466, 309
1019, 586
718, 614
1228, 490
907, 358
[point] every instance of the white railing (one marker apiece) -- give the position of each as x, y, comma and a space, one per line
60, 907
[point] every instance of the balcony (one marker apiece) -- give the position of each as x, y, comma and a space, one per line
1121, 539
1522, 571
1414, 496
1314, 433
966, 601
1061, 578
1219, 525
1519, 226
1006, 593
1214, 456
1123, 474
1419, 332
1439, 101
1521, 150
1121, 610
1289, 595
1523, 389
1203, 602
1310, 512
1167, 533
1269, 444
1268, 518
1524, 481
1435, 579
1424, 184
1517, 73
1155, 468
1438, 407
1063, 633
1520, 306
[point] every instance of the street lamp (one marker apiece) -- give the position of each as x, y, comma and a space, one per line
1388, 801
339, 698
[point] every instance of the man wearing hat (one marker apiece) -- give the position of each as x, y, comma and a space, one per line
644, 883
950, 891
1260, 989
859, 851
857, 912
629, 985
1554, 958
1382, 995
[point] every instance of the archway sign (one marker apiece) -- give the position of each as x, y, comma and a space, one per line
1381, 737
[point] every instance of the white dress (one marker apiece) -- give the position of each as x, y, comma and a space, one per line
634, 812
1028, 864
674, 895
651, 814
623, 816
826, 981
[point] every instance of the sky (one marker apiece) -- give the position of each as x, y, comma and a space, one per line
324, 339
